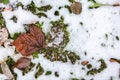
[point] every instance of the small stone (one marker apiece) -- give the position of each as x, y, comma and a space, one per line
76, 7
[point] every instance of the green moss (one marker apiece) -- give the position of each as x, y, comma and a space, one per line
68, 7
102, 66
14, 18
28, 69
117, 38
75, 79
59, 7
56, 74
5, 1
103, 44
45, 8
56, 13
81, 23
89, 66
1, 72
41, 14
60, 24
15, 36
62, 55
39, 70
48, 37
2, 21
73, 57
32, 7
19, 4
10, 62
71, 1
57, 52
94, 71
106, 36
35, 54
39, 25
96, 4
84, 79
39, 11
48, 73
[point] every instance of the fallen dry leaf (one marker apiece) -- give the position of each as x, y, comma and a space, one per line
28, 43
3, 35
23, 63
76, 7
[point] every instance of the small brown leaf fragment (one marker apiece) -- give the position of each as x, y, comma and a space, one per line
7, 71
85, 63
7, 9
3, 35
23, 63
76, 7
28, 43
114, 60
116, 4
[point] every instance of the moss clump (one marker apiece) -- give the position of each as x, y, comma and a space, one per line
28, 69
48, 73
94, 71
56, 52
39, 11
96, 4
2, 21
39, 71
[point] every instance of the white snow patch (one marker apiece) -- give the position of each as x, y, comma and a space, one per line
23, 17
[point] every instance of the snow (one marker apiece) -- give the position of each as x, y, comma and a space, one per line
25, 2
86, 38
6, 51
23, 17
3, 77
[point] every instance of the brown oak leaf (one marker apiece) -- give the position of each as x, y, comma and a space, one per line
23, 63
28, 43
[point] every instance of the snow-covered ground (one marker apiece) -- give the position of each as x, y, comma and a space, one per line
88, 38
